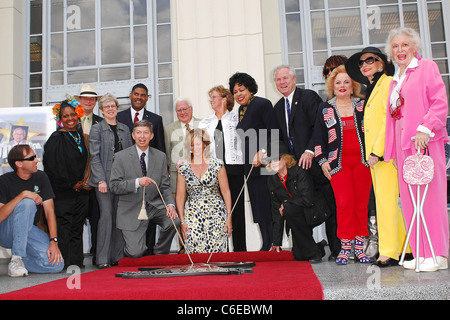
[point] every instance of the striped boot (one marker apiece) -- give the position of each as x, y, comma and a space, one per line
359, 251
346, 248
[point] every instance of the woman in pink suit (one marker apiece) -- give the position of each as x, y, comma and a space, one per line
416, 118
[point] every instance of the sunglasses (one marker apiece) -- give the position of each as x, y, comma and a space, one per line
29, 158
396, 112
369, 60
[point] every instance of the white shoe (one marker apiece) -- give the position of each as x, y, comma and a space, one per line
16, 268
428, 264
411, 264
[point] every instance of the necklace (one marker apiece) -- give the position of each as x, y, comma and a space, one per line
282, 178
77, 140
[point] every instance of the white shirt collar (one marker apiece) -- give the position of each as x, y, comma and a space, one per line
191, 123
224, 116
133, 112
289, 97
139, 151
414, 63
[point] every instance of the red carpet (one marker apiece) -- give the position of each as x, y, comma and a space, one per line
276, 276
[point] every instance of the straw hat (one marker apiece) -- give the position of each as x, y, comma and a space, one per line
88, 90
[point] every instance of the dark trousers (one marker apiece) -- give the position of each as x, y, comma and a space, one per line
304, 246
261, 208
331, 223
71, 209
236, 182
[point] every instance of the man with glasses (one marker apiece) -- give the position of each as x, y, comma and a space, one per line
175, 134
24, 193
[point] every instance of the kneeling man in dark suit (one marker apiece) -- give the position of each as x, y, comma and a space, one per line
135, 168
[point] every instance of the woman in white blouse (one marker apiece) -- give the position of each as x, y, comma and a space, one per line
225, 145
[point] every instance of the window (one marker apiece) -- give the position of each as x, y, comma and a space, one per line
112, 44
317, 29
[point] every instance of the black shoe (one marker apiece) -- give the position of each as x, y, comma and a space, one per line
409, 257
103, 265
388, 263
333, 256
315, 259
321, 246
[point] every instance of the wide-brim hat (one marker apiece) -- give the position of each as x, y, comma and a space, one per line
354, 71
88, 90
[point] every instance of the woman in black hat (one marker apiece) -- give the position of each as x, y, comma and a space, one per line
371, 67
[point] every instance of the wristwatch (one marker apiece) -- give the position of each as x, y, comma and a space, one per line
54, 239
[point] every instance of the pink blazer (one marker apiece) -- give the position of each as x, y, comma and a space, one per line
425, 104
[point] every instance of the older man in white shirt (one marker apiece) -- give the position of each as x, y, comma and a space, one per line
174, 136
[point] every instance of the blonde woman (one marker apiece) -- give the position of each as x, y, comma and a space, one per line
203, 198
339, 150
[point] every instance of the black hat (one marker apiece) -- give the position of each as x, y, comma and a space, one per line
352, 65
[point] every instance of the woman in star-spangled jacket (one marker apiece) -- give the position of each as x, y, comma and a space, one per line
339, 150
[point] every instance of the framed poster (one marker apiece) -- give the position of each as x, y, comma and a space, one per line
31, 126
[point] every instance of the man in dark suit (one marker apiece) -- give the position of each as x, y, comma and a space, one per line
135, 168
137, 112
296, 115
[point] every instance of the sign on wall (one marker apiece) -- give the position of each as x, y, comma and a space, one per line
30, 126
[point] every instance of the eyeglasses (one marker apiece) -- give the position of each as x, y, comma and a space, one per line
183, 110
112, 106
396, 112
369, 60
29, 158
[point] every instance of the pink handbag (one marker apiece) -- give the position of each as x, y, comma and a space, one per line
418, 169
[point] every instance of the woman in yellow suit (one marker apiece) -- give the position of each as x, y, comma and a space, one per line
371, 67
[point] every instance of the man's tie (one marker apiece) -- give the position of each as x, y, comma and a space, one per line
136, 117
288, 108
143, 166
187, 128
86, 124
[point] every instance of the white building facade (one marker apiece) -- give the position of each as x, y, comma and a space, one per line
185, 47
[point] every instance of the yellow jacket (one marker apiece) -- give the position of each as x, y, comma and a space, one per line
375, 117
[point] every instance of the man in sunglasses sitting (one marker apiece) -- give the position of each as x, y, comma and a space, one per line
23, 194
